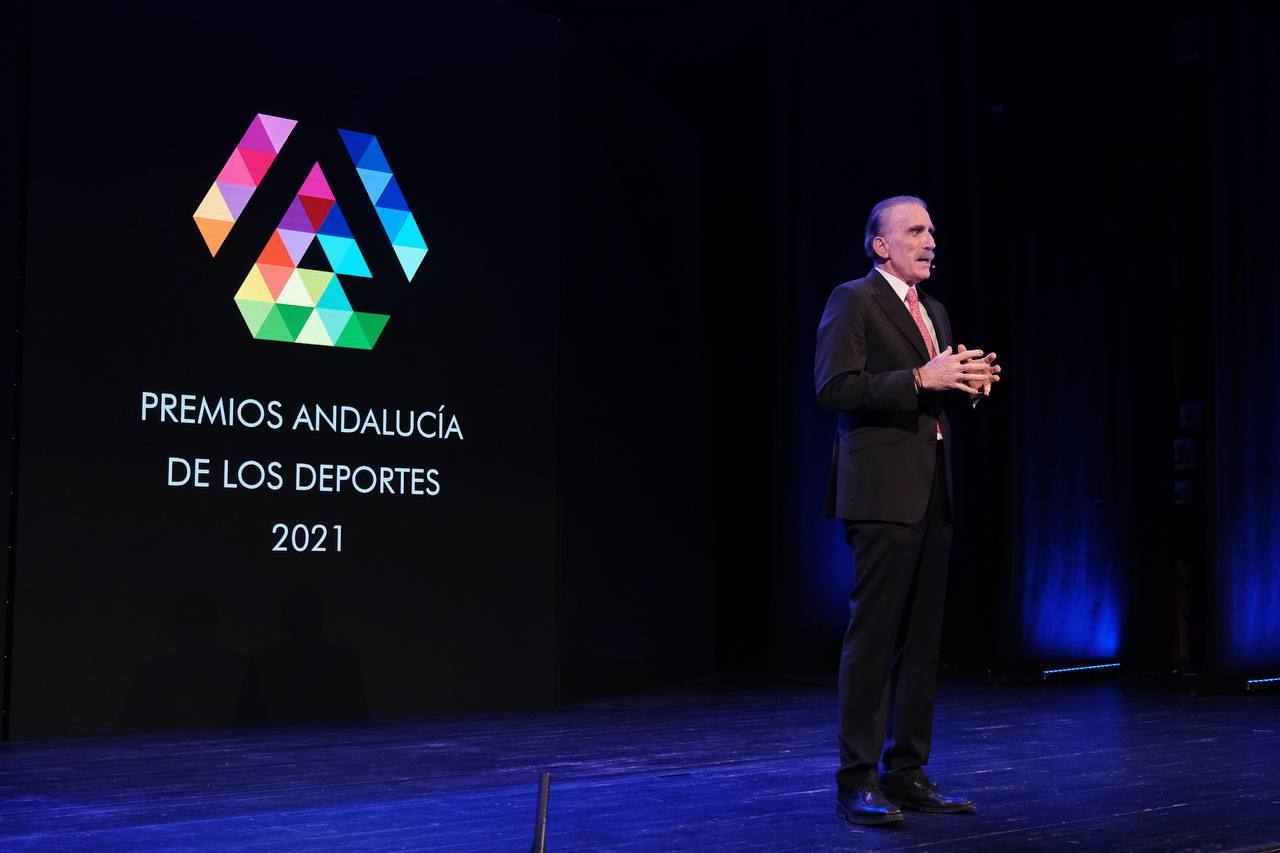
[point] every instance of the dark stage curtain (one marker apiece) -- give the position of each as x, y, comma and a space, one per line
16, 25
1051, 168
1244, 583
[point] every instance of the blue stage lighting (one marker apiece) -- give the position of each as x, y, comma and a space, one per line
1072, 597
1246, 587
1249, 580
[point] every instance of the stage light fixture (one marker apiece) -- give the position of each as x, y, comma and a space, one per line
1078, 671
1262, 685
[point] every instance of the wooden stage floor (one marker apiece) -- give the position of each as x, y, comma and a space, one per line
720, 767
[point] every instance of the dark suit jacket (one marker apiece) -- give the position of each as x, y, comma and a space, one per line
883, 462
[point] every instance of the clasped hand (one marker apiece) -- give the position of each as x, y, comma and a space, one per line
969, 370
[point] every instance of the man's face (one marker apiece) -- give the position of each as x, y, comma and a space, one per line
906, 245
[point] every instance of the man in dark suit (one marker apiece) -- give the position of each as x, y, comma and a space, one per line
885, 362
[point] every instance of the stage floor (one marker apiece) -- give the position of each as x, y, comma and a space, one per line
1097, 766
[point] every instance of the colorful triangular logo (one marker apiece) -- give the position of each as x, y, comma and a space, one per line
281, 299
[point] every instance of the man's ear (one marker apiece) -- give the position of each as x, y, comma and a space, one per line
881, 247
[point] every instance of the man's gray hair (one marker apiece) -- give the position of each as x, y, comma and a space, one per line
875, 222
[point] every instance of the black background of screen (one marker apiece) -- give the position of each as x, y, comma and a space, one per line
144, 606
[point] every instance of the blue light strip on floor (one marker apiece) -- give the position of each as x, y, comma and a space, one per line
1253, 681
1080, 668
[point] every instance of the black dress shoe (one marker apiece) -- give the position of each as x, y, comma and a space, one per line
915, 791
866, 805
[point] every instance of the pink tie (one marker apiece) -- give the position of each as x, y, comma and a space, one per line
913, 305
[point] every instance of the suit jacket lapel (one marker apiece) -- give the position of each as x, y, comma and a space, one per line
898, 313
941, 327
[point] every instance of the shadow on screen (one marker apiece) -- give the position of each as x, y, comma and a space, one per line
192, 687
304, 678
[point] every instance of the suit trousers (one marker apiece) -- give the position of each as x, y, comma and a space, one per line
889, 661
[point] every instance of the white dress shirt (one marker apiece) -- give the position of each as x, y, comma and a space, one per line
900, 287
